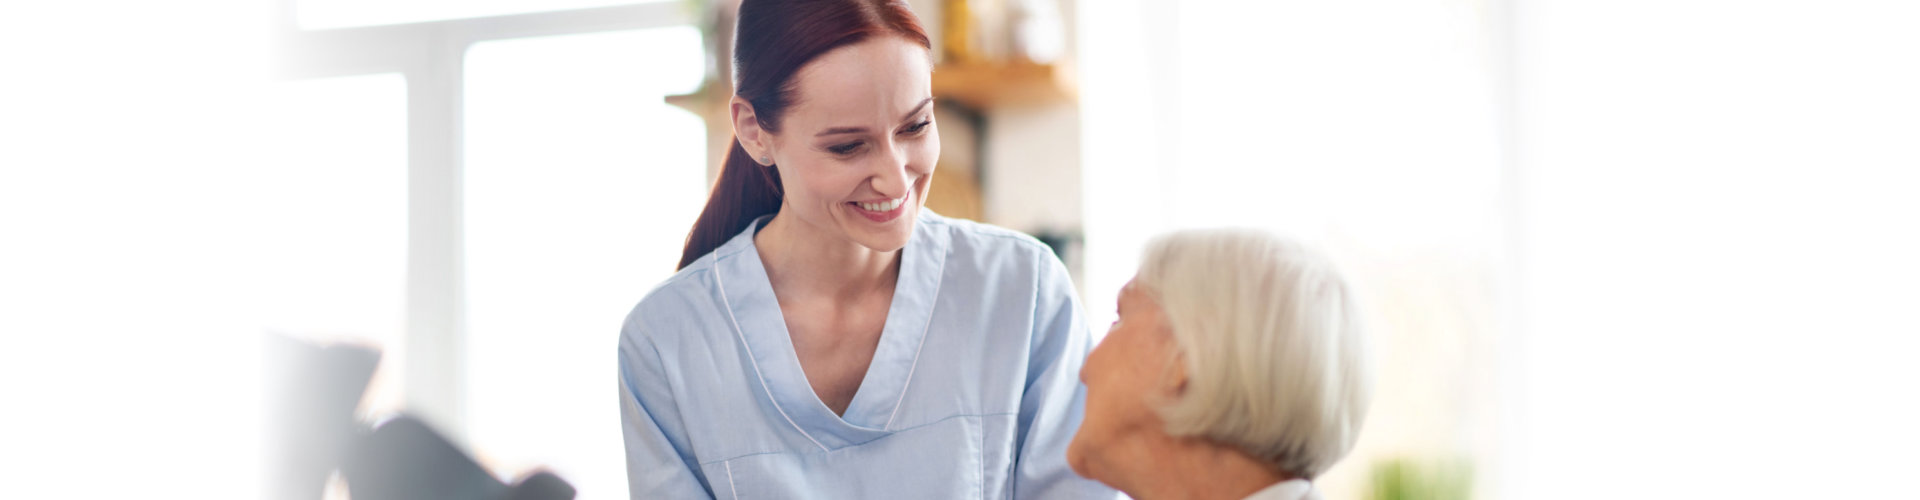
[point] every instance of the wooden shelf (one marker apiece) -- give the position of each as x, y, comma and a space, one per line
992, 85
978, 86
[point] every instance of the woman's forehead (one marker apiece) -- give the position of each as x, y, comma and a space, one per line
873, 82
1134, 292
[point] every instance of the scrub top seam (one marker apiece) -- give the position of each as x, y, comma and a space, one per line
936, 422
752, 361
1002, 234
932, 302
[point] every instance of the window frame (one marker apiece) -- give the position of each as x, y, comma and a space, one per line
431, 56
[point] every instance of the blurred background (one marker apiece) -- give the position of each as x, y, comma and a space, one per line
1657, 249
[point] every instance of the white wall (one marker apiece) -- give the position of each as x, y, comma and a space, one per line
1719, 234
1618, 248
1033, 167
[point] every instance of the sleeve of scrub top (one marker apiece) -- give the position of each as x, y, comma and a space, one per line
656, 467
1051, 408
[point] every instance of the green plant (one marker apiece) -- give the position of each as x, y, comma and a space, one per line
1412, 479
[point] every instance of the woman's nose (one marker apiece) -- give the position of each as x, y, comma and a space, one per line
892, 177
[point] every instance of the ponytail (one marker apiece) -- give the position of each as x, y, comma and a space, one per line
745, 191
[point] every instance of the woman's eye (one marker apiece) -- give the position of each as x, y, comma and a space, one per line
917, 127
843, 149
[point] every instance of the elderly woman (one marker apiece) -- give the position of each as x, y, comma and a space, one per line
1237, 370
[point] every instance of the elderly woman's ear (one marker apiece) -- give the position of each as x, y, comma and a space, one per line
1174, 383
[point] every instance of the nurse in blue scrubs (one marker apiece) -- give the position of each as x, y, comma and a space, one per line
826, 337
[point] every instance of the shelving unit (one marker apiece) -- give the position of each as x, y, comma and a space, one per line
980, 86
995, 85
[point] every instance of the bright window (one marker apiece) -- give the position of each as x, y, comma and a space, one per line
325, 14
337, 244
580, 186
1368, 127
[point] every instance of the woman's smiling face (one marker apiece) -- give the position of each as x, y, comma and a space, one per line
856, 150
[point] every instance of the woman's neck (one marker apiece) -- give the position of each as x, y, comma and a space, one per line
1168, 468
801, 259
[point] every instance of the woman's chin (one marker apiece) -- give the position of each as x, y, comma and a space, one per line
883, 242
890, 236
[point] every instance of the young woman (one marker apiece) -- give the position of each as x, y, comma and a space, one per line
826, 337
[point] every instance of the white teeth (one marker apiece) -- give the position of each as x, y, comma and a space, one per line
885, 206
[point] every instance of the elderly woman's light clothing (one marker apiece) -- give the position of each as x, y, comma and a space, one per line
1292, 489
972, 391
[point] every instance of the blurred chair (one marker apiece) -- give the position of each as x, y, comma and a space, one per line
404, 459
315, 394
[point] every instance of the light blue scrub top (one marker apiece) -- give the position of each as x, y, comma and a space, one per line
974, 389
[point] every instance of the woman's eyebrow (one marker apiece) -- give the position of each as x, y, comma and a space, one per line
916, 109
860, 130
841, 130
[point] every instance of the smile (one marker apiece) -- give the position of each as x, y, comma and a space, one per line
881, 210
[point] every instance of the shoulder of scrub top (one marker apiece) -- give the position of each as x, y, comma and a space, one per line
677, 302
977, 242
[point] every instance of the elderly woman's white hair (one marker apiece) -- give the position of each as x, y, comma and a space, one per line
1274, 353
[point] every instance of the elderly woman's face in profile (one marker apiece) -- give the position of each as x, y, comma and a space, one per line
1126, 376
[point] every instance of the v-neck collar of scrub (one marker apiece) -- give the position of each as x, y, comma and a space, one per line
763, 330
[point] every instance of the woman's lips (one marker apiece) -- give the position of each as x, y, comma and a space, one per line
882, 210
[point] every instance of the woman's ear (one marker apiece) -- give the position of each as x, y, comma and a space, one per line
1174, 382
746, 128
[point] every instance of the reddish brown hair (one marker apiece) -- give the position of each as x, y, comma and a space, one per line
772, 41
